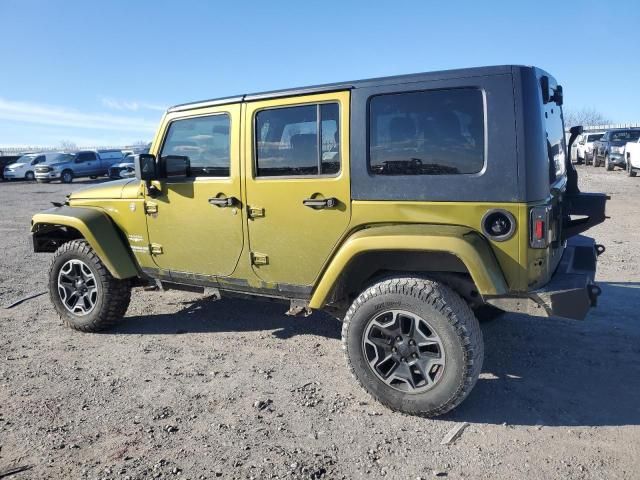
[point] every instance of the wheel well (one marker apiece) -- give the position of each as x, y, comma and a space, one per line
369, 267
48, 238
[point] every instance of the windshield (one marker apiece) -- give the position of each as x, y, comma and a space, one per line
26, 158
555, 141
625, 136
58, 157
594, 137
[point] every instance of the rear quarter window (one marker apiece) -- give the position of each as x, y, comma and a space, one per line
438, 132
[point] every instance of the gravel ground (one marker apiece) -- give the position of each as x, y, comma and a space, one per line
187, 388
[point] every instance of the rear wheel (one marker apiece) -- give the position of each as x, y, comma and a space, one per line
630, 171
66, 176
594, 161
414, 345
85, 295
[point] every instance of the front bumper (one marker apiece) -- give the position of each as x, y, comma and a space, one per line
9, 175
616, 159
570, 293
47, 176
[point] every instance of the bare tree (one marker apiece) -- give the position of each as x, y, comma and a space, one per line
68, 145
140, 143
584, 116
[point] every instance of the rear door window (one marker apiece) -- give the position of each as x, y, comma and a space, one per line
298, 141
437, 132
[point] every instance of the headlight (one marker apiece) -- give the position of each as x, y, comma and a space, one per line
617, 149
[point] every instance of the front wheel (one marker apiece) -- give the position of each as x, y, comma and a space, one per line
85, 295
414, 345
607, 163
29, 176
630, 171
66, 176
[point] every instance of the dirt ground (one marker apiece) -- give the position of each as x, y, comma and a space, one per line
187, 388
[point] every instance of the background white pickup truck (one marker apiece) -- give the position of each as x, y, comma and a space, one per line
632, 157
582, 148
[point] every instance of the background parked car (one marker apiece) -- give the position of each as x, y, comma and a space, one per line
86, 163
7, 160
25, 166
125, 169
609, 150
632, 157
582, 148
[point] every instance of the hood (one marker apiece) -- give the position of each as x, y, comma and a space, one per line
125, 188
15, 165
54, 164
123, 164
618, 143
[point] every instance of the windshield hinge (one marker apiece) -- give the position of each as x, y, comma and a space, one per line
259, 258
155, 248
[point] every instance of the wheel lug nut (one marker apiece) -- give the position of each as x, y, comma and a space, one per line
415, 355
403, 360
394, 349
412, 342
398, 339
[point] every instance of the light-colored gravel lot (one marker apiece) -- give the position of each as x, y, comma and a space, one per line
186, 388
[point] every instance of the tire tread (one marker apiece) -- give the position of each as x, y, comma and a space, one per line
117, 293
455, 310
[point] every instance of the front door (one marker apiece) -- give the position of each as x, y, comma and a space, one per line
85, 164
195, 224
297, 185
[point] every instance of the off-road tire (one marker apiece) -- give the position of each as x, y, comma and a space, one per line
449, 316
607, 163
66, 176
113, 297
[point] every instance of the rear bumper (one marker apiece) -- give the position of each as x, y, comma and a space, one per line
570, 293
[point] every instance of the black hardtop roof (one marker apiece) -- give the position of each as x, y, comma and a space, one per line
331, 87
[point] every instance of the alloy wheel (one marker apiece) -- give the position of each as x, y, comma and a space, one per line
404, 351
77, 287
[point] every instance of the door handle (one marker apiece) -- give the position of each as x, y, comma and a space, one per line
318, 203
223, 201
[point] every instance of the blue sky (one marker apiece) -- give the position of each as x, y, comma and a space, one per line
102, 72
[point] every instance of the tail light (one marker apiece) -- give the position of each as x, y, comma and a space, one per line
540, 228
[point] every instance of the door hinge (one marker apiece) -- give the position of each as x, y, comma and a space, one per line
150, 208
259, 258
255, 212
155, 248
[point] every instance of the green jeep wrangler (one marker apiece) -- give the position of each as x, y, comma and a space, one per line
401, 205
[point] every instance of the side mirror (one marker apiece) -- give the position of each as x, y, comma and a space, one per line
577, 130
176, 166
145, 165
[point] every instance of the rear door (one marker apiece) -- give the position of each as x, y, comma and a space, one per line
297, 185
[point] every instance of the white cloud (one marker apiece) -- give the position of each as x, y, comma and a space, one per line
132, 106
38, 114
